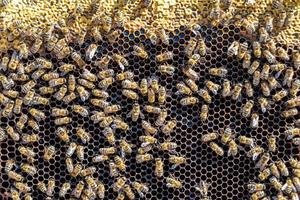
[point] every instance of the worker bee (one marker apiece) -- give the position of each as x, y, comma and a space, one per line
213, 87
36, 46
282, 168
226, 88
219, 72
15, 176
12, 133
78, 189
236, 92
256, 78
256, 49
49, 152
22, 187
288, 77
294, 102
140, 188
247, 60
280, 95
99, 103
149, 128
173, 183
76, 171
69, 98
152, 37
28, 98
29, 169
288, 187
254, 187
46, 90
64, 189
183, 89
292, 132
119, 184
120, 124
282, 54
100, 93
103, 62
109, 134
152, 109
21, 122
71, 83
15, 195
50, 76
69, 165
62, 134
7, 83
201, 47
193, 60
186, 101
243, 47
269, 56
249, 89
38, 100
208, 137
83, 135
59, 112
38, 74
62, 121
125, 75
190, 73
86, 84
263, 161
233, 49
9, 165
264, 174
91, 182
272, 144
57, 82
127, 84
106, 121
3, 99
81, 110
120, 163
121, 196
97, 116
33, 124
190, 47
176, 160
121, 60
265, 72
105, 83
140, 52
147, 140
296, 172
83, 93
113, 171
278, 68
8, 109
126, 148
169, 127
247, 108
216, 148
296, 182
275, 183
13, 94
145, 149
253, 67
191, 84
295, 88
263, 34
90, 52
168, 146
51, 186
130, 94
28, 86
140, 158
100, 190
168, 55
107, 150
106, 73
203, 187
265, 89
289, 113
246, 141
166, 69
295, 59
254, 120
99, 158
159, 167
274, 170
77, 58
4, 63
26, 151
135, 113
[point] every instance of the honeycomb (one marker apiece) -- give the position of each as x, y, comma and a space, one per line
227, 175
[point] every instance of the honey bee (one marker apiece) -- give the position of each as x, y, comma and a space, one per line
126, 148
4, 63
203, 187
254, 120
288, 77
28, 196
159, 167
140, 188
33, 124
190, 73
59, 112
100, 93
83, 93
190, 47
83, 135
140, 52
62, 121
243, 47
29, 169
282, 168
168, 55
15, 195
107, 150
90, 52
294, 102
49, 152
21, 122
135, 113
247, 60
246, 141
263, 161
11, 93
152, 37
119, 184
254, 187
8, 109
209, 137
121, 196
140, 158
103, 62
147, 140
248, 88
152, 109
201, 47
26, 151
57, 82
38, 74
105, 83
38, 100
256, 49
226, 88
296, 182
295, 59
149, 128
120, 124
69, 165
9, 165
166, 69
264, 174
280, 95
292, 132
183, 89
15, 176
91, 182
233, 49
213, 87
169, 127
121, 60
7, 83
99, 103
288, 187
86, 84
216, 148
186, 101
46, 90
62, 134
28, 86
106, 73
22, 187
256, 78
113, 171
4, 99
127, 84
78, 189
89, 76
97, 116
49, 76
274, 170
282, 54
193, 60
265, 89
109, 134
130, 94
247, 108
12, 133
168, 146
289, 113
81, 110
76, 171
236, 92
120, 163
64, 189
295, 88
77, 58
101, 190
173, 183
296, 141
296, 172
106, 121
265, 72
253, 67
219, 72
27, 99
99, 158
275, 183
69, 98
51, 186
278, 68
269, 56
176, 160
